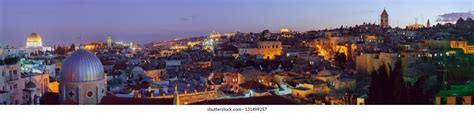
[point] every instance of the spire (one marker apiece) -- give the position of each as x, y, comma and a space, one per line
460, 20
428, 23
384, 19
176, 95
384, 13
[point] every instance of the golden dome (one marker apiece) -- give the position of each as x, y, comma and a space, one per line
34, 37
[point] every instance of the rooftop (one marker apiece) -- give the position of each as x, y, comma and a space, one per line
261, 100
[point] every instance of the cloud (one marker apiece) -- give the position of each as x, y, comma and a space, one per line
187, 18
454, 16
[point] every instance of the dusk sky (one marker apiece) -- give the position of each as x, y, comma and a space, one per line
143, 21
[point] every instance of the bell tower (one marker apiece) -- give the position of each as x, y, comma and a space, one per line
384, 19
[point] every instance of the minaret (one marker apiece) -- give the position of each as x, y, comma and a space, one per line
176, 95
109, 41
384, 19
428, 23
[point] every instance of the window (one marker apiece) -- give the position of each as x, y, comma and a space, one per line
15, 72
3, 73
71, 94
90, 94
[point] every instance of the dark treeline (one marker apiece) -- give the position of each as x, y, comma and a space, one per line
388, 87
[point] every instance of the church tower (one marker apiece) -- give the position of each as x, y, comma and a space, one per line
384, 19
109, 41
428, 23
176, 95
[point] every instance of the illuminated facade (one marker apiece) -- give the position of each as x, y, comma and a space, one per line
331, 46
211, 41
467, 48
416, 26
92, 46
285, 33
34, 40
214, 35
229, 35
195, 96
368, 63
109, 41
268, 49
208, 44
193, 43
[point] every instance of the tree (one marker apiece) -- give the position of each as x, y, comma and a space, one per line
388, 87
72, 47
340, 59
60, 50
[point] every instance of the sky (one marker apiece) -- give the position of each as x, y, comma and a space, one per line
142, 21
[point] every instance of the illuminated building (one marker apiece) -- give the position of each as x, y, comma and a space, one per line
415, 26
109, 41
284, 30
16, 88
193, 97
82, 79
193, 43
34, 40
214, 35
454, 100
330, 46
285, 33
211, 41
167, 52
368, 63
92, 46
178, 48
155, 74
229, 35
268, 49
384, 19
208, 45
464, 45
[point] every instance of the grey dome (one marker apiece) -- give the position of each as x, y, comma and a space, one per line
81, 66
